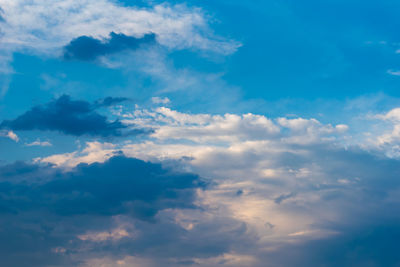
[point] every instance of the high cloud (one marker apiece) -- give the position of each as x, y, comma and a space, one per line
45, 27
52, 28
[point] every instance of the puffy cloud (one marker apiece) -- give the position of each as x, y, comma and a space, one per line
384, 134
172, 124
276, 186
117, 209
69, 117
118, 186
93, 152
290, 199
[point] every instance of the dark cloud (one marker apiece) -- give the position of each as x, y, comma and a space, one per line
119, 186
88, 48
44, 210
73, 117
110, 101
284, 197
40, 215
372, 246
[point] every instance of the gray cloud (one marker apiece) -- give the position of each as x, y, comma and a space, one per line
47, 214
73, 117
88, 48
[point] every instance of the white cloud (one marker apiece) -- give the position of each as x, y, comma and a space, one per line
45, 26
287, 180
94, 152
160, 100
39, 143
385, 135
114, 235
241, 152
9, 134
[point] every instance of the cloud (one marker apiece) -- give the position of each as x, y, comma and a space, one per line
394, 72
68, 116
114, 210
270, 193
45, 27
371, 245
232, 128
160, 100
88, 48
110, 101
384, 133
292, 182
9, 134
39, 143
320, 210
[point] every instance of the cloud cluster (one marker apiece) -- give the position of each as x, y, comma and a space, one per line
122, 207
292, 183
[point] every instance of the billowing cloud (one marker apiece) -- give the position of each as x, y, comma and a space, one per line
123, 207
68, 116
275, 186
88, 48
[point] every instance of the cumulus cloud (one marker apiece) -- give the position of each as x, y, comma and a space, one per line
68, 116
123, 207
384, 133
292, 198
276, 186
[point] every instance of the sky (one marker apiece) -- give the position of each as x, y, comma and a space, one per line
199, 133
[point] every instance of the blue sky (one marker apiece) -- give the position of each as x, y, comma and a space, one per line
199, 133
